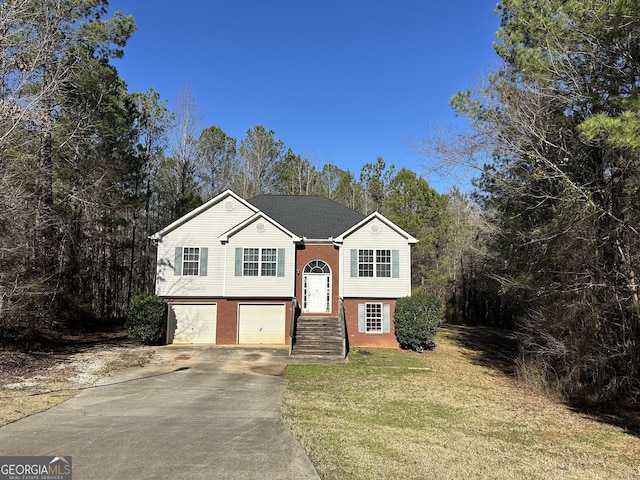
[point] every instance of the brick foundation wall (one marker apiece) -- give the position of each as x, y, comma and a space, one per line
357, 339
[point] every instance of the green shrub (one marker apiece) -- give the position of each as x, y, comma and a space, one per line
146, 318
417, 320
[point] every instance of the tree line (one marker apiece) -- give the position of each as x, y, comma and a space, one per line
547, 244
90, 170
554, 133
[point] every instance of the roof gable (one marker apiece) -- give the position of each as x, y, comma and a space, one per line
375, 215
309, 216
242, 225
205, 206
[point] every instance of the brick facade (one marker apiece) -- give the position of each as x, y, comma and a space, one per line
329, 254
357, 339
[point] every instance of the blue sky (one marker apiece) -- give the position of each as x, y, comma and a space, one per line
338, 81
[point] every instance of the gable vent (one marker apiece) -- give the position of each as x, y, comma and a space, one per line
229, 205
375, 228
260, 227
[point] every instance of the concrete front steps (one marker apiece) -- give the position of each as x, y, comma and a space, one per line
318, 338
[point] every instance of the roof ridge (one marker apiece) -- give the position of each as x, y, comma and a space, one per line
311, 216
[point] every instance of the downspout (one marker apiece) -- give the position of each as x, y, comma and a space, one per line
168, 322
224, 271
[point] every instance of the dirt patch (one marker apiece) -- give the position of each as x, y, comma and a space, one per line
252, 357
273, 369
183, 357
39, 376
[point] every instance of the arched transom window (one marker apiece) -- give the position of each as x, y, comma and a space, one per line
317, 266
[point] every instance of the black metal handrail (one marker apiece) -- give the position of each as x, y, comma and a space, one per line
343, 324
292, 329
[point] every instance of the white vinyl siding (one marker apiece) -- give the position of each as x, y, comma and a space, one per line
265, 243
201, 231
388, 268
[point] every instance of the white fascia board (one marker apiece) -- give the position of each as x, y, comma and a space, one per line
318, 240
193, 213
224, 238
410, 238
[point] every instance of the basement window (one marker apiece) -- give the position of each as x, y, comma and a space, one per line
373, 317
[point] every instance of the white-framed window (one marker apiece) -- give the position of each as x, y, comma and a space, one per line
251, 262
374, 317
374, 263
259, 262
269, 262
383, 263
365, 263
317, 266
191, 261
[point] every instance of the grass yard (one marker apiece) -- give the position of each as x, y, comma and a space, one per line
445, 414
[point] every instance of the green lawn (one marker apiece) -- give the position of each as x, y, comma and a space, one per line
444, 414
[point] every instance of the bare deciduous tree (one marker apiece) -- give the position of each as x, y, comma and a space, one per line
218, 161
179, 179
557, 131
259, 153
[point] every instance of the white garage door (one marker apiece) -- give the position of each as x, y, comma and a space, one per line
192, 323
264, 323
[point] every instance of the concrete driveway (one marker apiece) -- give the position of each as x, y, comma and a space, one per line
199, 413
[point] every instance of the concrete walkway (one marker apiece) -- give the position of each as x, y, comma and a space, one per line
200, 413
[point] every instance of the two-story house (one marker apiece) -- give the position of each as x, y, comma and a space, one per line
260, 271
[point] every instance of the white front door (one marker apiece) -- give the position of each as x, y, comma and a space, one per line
318, 293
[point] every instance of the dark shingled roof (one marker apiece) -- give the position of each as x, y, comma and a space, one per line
310, 216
